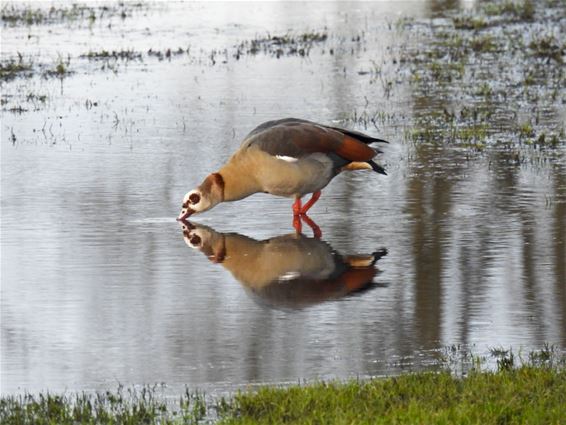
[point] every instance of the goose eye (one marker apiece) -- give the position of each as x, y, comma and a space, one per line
194, 198
195, 240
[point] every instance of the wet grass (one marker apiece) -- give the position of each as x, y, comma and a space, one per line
479, 69
12, 69
20, 14
548, 47
524, 395
123, 406
518, 389
484, 71
469, 23
114, 54
168, 53
281, 45
518, 10
60, 69
496, 13
482, 44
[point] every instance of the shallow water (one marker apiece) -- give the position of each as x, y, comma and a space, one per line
100, 287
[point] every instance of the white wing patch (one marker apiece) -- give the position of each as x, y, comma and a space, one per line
287, 158
291, 275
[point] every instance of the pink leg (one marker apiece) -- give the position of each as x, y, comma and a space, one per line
297, 207
297, 224
310, 203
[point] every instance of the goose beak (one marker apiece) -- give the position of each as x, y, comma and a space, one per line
185, 213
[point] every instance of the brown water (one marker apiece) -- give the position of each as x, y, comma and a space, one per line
100, 287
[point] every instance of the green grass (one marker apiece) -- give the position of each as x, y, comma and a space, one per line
469, 22
522, 10
524, 395
531, 391
144, 406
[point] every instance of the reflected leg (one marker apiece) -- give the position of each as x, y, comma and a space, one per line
297, 224
315, 229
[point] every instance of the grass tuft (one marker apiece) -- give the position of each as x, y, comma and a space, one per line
467, 22
279, 45
60, 69
12, 69
524, 11
548, 47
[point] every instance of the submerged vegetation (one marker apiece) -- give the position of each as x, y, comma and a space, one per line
114, 54
17, 14
482, 71
472, 73
548, 47
516, 10
530, 390
12, 69
496, 13
123, 406
60, 69
281, 45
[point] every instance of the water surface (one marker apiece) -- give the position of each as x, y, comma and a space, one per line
99, 284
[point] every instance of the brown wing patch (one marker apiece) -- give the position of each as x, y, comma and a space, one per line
310, 138
354, 150
297, 139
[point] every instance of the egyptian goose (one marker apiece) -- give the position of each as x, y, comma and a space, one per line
289, 157
287, 271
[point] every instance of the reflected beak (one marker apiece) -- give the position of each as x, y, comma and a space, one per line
184, 214
187, 225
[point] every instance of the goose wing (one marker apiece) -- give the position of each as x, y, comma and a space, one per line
297, 138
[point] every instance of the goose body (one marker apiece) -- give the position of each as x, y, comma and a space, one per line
289, 157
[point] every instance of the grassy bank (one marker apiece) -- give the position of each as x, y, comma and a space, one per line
525, 395
532, 392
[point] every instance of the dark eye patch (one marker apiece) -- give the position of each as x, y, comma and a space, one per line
195, 240
194, 198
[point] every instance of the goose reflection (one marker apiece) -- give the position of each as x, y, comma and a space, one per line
289, 271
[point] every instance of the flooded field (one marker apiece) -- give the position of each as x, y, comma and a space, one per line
112, 112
